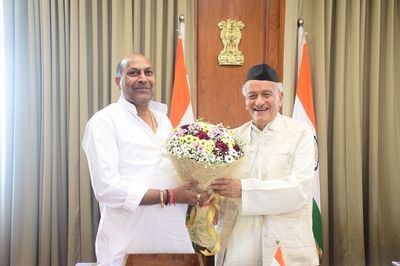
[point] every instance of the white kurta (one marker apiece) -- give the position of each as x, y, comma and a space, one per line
126, 159
276, 196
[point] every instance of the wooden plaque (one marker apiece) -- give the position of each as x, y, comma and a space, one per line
164, 259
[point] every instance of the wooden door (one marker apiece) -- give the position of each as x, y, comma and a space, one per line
219, 96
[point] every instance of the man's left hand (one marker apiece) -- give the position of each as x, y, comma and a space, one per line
227, 187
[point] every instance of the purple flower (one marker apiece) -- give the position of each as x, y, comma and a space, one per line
221, 147
236, 148
186, 127
201, 135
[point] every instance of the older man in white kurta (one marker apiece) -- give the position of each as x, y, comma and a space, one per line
271, 203
130, 172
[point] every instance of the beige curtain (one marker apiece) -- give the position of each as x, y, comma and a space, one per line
60, 58
355, 61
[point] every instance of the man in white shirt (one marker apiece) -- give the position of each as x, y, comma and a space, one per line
142, 202
269, 202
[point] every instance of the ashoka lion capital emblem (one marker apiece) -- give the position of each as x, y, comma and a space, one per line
231, 33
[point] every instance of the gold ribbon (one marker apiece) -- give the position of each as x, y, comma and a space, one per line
211, 232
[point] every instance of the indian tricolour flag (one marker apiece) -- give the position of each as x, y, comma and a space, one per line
278, 258
303, 110
181, 111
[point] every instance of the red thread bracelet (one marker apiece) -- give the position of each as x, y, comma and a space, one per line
171, 197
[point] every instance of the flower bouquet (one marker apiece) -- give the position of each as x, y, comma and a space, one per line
204, 152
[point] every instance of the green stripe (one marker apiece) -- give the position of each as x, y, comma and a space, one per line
317, 225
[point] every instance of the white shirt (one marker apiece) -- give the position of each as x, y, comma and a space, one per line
275, 186
126, 159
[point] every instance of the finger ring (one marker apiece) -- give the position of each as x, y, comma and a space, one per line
198, 197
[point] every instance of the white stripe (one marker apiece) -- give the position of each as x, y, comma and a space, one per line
275, 262
187, 117
300, 114
316, 189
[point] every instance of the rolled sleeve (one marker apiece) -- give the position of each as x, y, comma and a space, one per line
102, 152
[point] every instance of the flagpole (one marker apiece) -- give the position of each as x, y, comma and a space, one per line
300, 39
181, 29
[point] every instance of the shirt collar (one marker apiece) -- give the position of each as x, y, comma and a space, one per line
271, 126
131, 108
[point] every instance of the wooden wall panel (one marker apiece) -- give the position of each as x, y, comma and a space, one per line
219, 97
